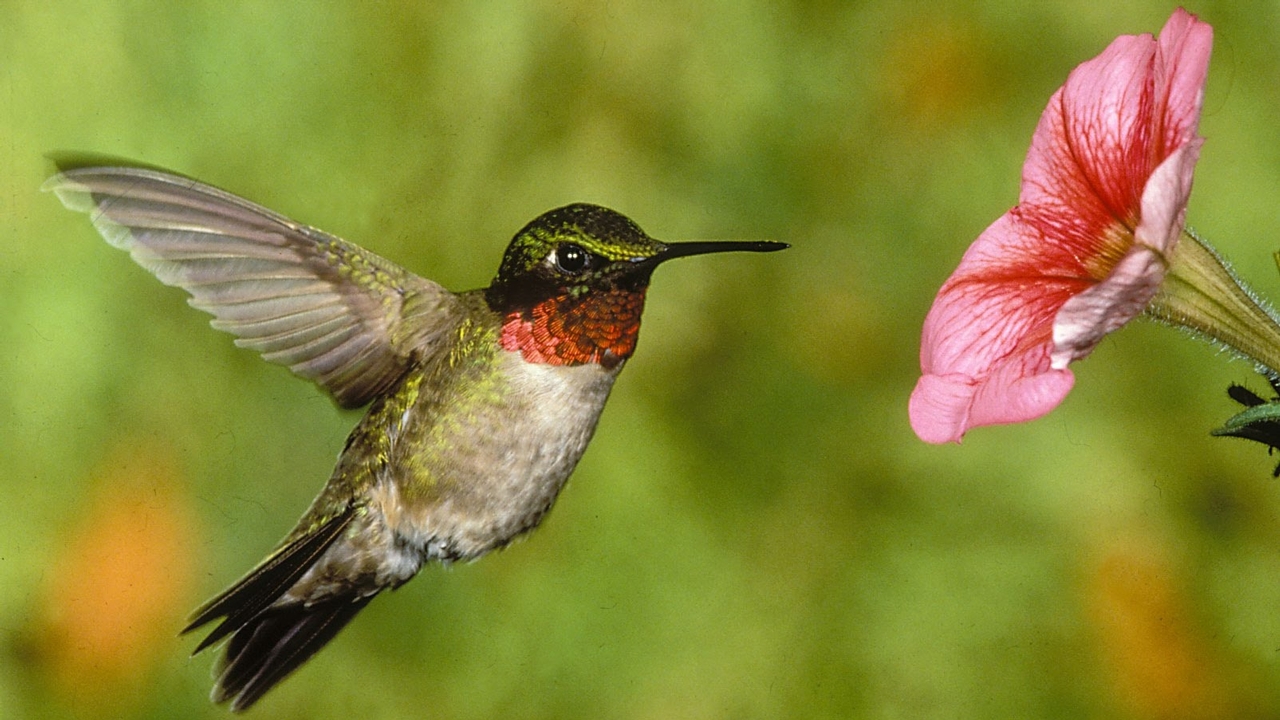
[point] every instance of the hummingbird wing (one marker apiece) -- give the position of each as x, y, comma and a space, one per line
331, 311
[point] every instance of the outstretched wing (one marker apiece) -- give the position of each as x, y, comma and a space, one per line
331, 311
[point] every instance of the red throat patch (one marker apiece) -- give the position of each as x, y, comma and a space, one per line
600, 327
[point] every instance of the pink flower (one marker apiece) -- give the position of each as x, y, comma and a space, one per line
1104, 192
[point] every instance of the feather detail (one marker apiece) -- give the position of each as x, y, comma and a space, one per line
276, 643
270, 640
331, 311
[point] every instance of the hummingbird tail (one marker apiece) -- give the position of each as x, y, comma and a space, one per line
270, 640
277, 642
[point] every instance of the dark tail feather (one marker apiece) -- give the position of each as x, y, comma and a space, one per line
267, 643
275, 643
255, 592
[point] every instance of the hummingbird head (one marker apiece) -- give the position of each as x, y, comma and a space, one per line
573, 250
572, 282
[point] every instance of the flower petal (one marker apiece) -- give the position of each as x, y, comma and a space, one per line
1104, 193
943, 407
987, 338
1088, 158
1164, 201
1182, 64
1088, 317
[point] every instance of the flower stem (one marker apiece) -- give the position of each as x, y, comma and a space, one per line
1202, 295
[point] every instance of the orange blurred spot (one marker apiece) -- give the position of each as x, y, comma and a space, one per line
1160, 662
118, 588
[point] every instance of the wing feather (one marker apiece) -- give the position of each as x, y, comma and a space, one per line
331, 311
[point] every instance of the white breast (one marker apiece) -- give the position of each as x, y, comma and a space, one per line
501, 465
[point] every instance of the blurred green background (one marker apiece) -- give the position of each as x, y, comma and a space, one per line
755, 532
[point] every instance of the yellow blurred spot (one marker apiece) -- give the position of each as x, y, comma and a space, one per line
931, 71
117, 590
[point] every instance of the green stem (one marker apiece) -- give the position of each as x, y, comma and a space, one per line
1202, 295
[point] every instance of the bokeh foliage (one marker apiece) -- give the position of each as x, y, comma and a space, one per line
755, 531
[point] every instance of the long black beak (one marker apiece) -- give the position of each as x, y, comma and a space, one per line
686, 249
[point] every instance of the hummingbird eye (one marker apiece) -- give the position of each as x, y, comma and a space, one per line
572, 259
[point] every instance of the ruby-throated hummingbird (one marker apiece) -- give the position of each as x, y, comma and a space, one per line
481, 402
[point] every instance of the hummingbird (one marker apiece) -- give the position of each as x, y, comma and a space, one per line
480, 403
